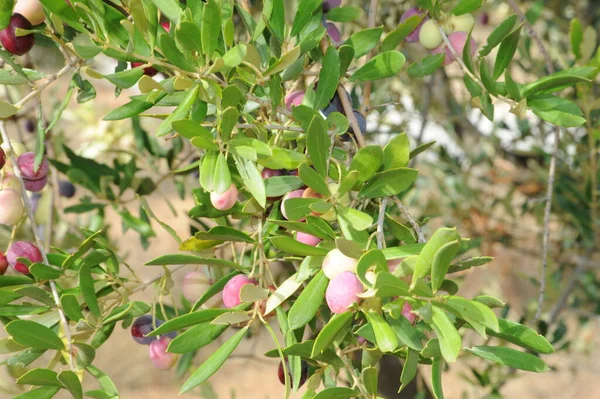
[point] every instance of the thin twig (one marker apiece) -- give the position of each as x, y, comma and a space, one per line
411, 220
551, 170
39, 243
148, 283
380, 221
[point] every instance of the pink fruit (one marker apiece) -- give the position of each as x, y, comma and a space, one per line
307, 239
342, 292
166, 25
35, 181
226, 200
17, 45
194, 285
336, 263
414, 35
268, 173
334, 33
458, 41
23, 249
294, 99
406, 312
231, 291
159, 355
11, 207
3, 263
30, 9
10, 182
291, 194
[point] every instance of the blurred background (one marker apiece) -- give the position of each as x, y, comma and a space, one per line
486, 178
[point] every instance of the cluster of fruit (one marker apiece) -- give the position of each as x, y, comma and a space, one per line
157, 346
429, 33
26, 14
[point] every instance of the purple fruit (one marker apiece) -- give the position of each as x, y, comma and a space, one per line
303, 373
159, 355
66, 189
17, 45
329, 4
22, 249
35, 181
414, 35
334, 33
231, 291
342, 292
362, 122
143, 326
148, 71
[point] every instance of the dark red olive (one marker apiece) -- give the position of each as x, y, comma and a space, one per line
14, 44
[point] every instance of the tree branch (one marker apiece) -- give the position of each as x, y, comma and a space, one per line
411, 220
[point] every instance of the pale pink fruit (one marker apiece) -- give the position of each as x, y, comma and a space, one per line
291, 194
11, 207
406, 312
267, 173
336, 263
159, 355
3, 263
414, 35
458, 41
226, 200
334, 33
342, 292
23, 249
307, 239
294, 99
10, 182
231, 291
30, 9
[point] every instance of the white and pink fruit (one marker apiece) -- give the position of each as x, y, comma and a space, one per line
11, 207
458, 41
22, 249
159, 355
407, 312
226, 200
430, 36
231, 291
336, 263
32, 10
290, 195
342, 292
307, 239
294, 99
10, 182
414, 35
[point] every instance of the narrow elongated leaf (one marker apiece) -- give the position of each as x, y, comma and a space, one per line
436, 378
466, 6
308, 303
40, 377
289, 245
396, 152
189, 319
498, 34
180, 112
86, 283
510, 357
34, 335
521, 335
318, 144
328, 78
389, 182
196, 338
214, 362
386, 338
71, 383
506, 52
367, 161
409, 369
211, 27
450, 340
441, 262
425, 261
381, 66
330, 331
337, 393
305, 10
364, 40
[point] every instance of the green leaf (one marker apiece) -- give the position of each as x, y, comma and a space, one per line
170, 8
185, 259
189, 35
510, 357
337, 393
214, 361
396, 152
34, 335
235, 56
498, 34
406, 333
71, 382
381, 66
289, 245
127, 78
71, 307
281, 185
369, 377
427, 66
252, 179
386, 284
364, 40
44, 272
344, 14
104, 380
313, 180
386, 338
86, 284
576, 37
85, 355
40, 393
476, 314
506, 52
6, 11
211, 27
556, 110
180, 112
521, 335
466, 6
222, 177
559, 80
215, 288
409, 369
285, 61
190, 319
224, 233
441, 262
317, 144
229, 118
40, 377
511, 86
283, 158
196, 337
329, 77
367, 162
388, 183
436, 378
308, 303
304, 13
397, 36
209, 164
488, 82
7, 110
172, 53
330, 331
424, 263
450, 341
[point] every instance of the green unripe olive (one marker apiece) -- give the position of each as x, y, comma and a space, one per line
430, 36
462, 23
